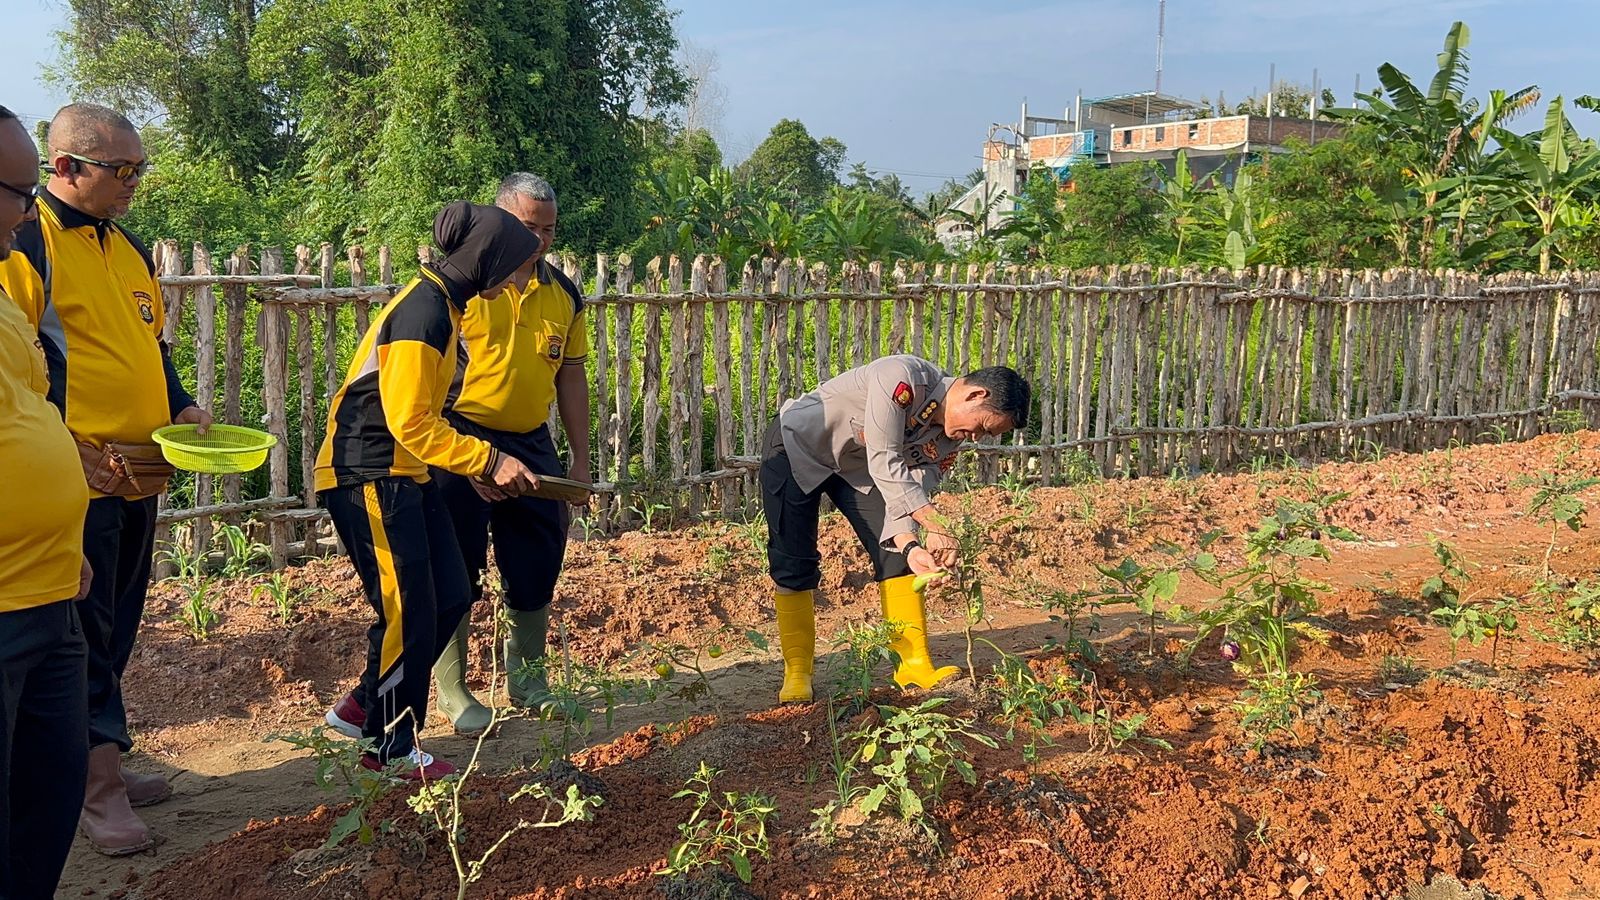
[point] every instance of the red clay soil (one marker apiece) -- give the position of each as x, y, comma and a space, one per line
1488, 775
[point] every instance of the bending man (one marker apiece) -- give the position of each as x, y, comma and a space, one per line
874, 440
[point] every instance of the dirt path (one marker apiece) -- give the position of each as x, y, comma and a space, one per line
202, 709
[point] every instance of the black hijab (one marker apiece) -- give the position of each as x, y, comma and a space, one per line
483, 246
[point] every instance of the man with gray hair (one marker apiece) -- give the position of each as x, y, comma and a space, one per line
519, 355
90, 289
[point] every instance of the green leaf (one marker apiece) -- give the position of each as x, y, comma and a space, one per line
741, 866
874, 799
910, 804
756, 639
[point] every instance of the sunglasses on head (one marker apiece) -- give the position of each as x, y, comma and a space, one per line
120, 171
30, 197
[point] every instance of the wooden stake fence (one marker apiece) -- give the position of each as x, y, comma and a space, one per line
1135, 371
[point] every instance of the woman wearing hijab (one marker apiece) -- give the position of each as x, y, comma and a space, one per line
385, 429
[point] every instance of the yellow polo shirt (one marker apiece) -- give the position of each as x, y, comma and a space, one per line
102, 323
515, 349
41, 531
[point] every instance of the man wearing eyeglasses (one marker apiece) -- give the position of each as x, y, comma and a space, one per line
89, 288
43, 745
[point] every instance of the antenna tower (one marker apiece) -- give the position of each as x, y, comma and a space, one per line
1161, 42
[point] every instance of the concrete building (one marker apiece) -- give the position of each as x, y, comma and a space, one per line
1115, 130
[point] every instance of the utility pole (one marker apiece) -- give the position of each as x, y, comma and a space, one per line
1161, 42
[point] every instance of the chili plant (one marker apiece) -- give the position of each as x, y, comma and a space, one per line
861, 651
1465, 619
972, 539
339, 770
913, 753
442, 802
1555, 500
727, 831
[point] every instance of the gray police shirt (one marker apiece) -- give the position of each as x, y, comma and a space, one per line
873, 426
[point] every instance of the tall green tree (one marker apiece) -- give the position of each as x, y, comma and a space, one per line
186, 62
371, 113
800, 167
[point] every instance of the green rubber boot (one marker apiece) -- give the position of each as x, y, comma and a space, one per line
450, 673
526, 683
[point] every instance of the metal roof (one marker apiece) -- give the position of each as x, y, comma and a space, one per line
1143, 103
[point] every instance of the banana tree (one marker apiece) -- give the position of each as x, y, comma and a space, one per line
1550, 177
1438, 135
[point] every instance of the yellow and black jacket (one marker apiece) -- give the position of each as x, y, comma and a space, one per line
512, 349
90, 289
386, 419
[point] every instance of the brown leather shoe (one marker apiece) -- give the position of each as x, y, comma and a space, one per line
145, 790
108, 821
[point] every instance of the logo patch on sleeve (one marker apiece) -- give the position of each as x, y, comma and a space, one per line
903, 395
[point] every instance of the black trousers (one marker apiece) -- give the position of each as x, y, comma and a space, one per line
44, 746
398, 535
118, 539
530, 533
792, 516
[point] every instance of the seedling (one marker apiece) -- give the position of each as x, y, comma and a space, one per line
845, 790
727, 831
240, 555
1556, 501
913, 753
864, 649
284, 598
339, 771
1273, 703
647, 511
1143, 586
197, 613
186, 566
967, 576
441, 802
1026, 700
1076, 612
1466, 620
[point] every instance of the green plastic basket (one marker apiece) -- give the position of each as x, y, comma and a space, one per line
222, 450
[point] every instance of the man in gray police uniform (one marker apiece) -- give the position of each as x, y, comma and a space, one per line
875, 441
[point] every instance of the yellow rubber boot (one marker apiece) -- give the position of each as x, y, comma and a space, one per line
903, 604
797, 636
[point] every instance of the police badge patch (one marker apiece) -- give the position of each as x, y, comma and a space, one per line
147, 307
554, 350
903, 395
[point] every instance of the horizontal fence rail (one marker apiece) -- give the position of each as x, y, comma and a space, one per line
1136, 371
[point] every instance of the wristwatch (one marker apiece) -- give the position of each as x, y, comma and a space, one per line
911, 545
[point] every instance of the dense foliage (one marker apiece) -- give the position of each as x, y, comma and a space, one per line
352, 120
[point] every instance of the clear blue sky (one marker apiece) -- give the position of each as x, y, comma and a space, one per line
912, 86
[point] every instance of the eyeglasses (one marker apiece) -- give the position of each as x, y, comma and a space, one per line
30, 197
120, 171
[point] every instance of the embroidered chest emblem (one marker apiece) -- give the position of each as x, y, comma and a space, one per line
147, 307
553, 349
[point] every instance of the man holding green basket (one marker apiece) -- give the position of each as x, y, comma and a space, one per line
90, 289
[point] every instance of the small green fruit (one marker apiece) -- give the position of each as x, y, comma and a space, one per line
664, 670
714, 651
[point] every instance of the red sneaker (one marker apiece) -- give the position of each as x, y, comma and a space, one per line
423, 766
347, 717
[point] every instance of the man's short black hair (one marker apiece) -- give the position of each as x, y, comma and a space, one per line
1009, 393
